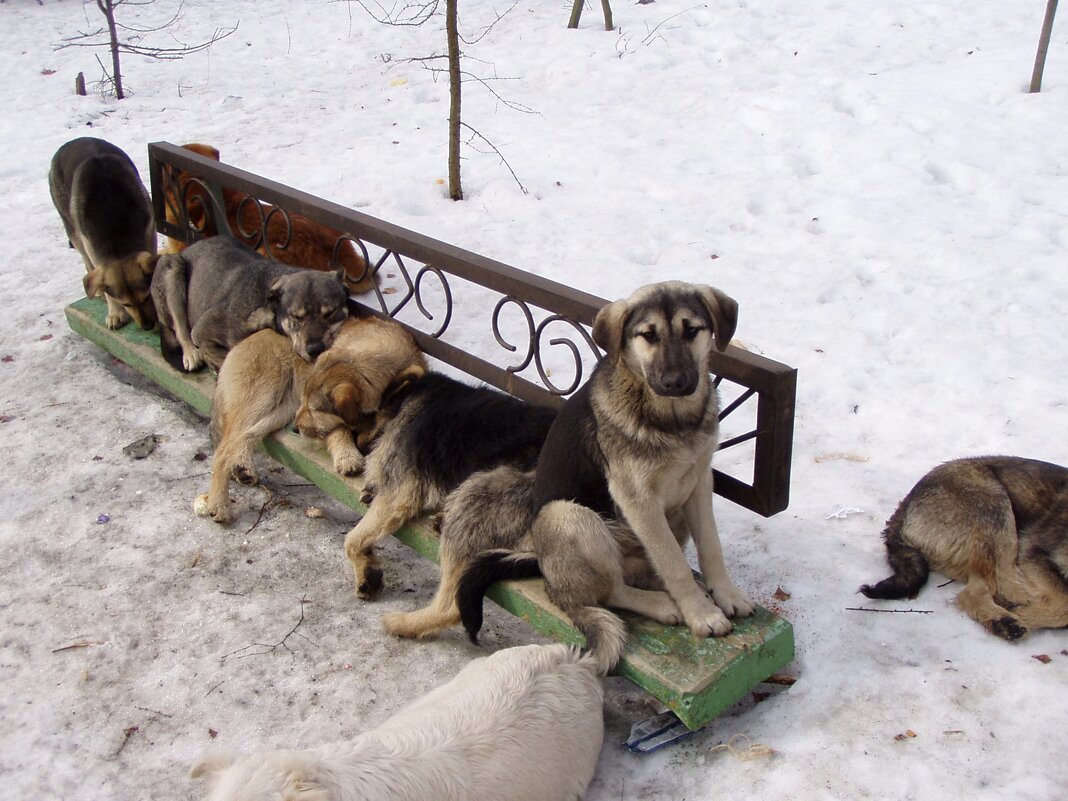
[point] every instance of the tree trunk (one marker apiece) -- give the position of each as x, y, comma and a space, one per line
607, 9
576, 14
108, 9
1043, 46
453, 37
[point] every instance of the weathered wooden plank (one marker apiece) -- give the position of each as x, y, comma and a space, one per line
695, 679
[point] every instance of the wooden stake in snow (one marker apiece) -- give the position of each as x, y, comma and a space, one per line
1043, 46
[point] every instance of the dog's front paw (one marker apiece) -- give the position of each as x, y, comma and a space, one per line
220, 513
712, 625
705, 619
192, 360
349, 464
116, 319
732, 601
1008, 628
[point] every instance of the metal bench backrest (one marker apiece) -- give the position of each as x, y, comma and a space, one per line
438, 283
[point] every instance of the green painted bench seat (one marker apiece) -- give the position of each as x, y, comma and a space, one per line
695, 680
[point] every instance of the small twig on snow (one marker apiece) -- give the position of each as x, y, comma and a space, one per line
271, 648
897, 611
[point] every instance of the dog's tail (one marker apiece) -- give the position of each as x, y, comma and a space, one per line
604, 631
907, 561
490, 567
605, 636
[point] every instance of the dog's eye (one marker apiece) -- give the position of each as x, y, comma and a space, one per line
689, 333
649, 336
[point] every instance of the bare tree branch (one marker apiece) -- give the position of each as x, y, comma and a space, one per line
493, 147
109, 37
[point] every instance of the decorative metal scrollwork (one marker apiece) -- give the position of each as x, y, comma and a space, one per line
429, 270
535, 332
575, 355
495, 325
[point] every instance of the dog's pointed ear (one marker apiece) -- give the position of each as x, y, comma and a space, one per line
93, 281
608, 328
400, 381
212, 763
340, 274
723, 310
274, 291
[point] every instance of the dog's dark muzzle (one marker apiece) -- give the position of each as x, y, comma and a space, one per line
676, 375
675, 383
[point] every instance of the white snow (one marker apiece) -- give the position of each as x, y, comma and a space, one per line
884, 199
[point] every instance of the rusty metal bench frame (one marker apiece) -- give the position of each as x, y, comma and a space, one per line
546, 307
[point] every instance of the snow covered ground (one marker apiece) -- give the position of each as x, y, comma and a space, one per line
870, 181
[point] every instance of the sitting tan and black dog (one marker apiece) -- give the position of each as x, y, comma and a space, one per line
997, 523
218, 291
623, 481
262, 382
108, 218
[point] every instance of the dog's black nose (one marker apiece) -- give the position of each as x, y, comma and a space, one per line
677, 383
315, 349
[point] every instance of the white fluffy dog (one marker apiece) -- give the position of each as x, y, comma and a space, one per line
524, 724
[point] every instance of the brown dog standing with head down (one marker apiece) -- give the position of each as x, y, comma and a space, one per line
106, 212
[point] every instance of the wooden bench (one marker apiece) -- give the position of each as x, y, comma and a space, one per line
694, 679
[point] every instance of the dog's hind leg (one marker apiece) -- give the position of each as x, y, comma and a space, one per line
170, 293
1048, 609
977, 601
233, 459
491, 511
234, 453
394, 506
439, 614
653, 604
207, 337
583, 569
1044, 571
